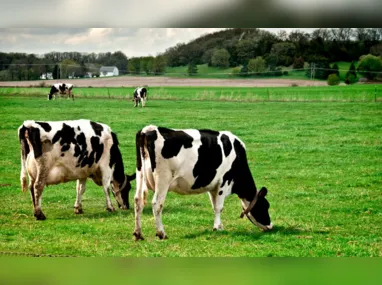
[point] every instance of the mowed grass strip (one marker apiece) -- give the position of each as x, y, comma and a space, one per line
320, 161
353, 93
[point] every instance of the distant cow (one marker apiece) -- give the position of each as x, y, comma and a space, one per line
140, 96
62, 151
62, 89
193, 162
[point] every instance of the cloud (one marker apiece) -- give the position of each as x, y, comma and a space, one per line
131, 41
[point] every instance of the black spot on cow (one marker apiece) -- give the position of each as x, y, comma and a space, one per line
35, 140
80, 149
227, 146
244, 185
116, 160
97, 128
138, 144
62, 154
62, 87
220, 192
173, 141
97, 148
151, 137
24, 144
209, 159
78, 128
45, 126
66, 136
65, 147
53, 90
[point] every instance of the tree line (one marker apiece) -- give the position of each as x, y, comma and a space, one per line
248, 51
23, 66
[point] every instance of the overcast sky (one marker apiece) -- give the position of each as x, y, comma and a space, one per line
131, 41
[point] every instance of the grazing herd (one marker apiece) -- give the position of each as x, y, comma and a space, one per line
185, 161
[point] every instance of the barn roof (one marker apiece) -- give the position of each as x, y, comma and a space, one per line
107, 68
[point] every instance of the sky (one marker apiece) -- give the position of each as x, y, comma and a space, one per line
131, 41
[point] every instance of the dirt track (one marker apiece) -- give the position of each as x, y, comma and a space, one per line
131, 81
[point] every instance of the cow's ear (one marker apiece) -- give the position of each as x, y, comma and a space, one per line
130, 177
263, 192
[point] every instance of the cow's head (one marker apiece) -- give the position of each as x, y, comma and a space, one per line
260, 211
50, 96
126, 187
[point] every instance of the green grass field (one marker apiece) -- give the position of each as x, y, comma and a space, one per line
205, 71
353, 93
321, 161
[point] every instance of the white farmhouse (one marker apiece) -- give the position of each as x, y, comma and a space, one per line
108, 71
48, 75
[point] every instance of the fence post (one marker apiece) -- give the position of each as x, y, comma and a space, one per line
375, 93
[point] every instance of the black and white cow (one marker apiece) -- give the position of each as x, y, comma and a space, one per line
140, 96
62, 89
62, 151
193, 162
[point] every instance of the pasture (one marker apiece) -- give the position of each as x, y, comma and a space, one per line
318, 151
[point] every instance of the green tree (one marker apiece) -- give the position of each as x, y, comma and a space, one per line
370, 66
335, 69
351, 75
298, 63
256, 65
284, 53
333, 79
244, 70
350, 79
220, 58
236, 71
159, 64
192, 69
68, 68
134, 65
245, 50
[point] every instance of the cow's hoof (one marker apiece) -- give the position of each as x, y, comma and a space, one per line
218, 228
138, 236
78, 211
110, 209
40, 216
161, 235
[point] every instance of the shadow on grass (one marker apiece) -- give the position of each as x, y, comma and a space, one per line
253, 234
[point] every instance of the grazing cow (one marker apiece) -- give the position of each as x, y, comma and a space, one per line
140, 95
62, 151
193, 162
61, 88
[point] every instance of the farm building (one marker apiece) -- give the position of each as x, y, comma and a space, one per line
48, 75
108, 71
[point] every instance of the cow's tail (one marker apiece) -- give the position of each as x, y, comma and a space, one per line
24, 153
145, 141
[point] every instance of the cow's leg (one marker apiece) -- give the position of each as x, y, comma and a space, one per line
138, 205
161, 189
143, 101
31, 188
106, 180
135, 102
217, 201
81, 187
38, 189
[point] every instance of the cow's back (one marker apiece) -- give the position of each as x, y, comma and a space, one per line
196, 159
